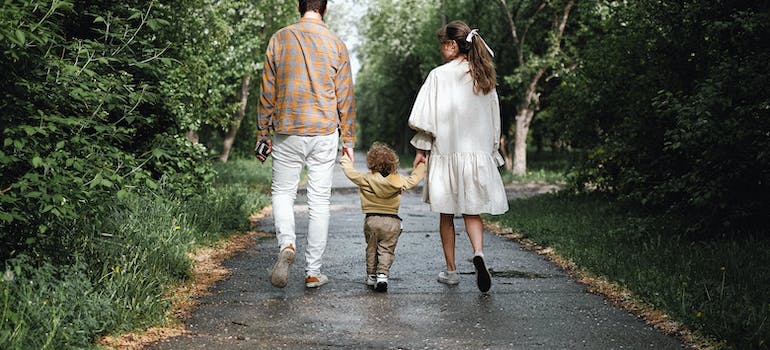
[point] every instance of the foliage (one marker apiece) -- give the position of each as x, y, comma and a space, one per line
398, 52
101, 196
37, 309
81, 114
671, 99
121, 265
219, 42
715, 286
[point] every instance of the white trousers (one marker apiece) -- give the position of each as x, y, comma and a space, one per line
290, 154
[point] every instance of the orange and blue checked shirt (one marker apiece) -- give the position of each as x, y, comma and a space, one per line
307, 87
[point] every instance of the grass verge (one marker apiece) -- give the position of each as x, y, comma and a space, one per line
115, 273
717, 288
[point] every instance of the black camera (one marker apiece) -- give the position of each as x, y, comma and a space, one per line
262, 150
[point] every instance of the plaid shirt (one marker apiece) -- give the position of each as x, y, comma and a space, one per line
307, 87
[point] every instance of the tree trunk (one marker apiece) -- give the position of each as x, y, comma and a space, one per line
237, 118
523, 119
531, 100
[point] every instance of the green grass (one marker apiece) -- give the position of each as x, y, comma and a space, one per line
718, 287
546, 167
113, 272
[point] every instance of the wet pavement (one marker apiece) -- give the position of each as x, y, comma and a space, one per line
532, 304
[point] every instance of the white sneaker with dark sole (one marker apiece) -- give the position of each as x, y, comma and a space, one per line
382, 283
371, 280
279, 276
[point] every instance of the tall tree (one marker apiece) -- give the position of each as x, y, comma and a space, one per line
546, 21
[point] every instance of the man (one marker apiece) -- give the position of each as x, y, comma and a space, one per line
307, 100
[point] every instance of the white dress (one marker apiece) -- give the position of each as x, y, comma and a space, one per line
462, 132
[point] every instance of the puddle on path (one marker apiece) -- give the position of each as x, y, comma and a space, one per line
511, 274
517, 274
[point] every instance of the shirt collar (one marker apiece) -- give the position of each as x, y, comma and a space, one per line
312, 21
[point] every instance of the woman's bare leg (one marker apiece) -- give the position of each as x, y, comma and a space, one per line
475, 228
447, 230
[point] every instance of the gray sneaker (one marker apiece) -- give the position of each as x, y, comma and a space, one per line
449, 277
279, 276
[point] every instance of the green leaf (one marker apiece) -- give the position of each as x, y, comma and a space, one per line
20, 37
96, 181
99, 19
6, 217
151, 184
122, 194
37, 161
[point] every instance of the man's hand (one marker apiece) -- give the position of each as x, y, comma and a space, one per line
349, 152
263, 156
419, 158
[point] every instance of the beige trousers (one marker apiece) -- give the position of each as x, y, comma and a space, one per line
381, 233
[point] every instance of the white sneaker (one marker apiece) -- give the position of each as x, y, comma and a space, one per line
382, 283
449, 277
371, 280
315, 281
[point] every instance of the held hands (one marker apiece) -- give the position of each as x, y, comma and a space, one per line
349, 152
419, 158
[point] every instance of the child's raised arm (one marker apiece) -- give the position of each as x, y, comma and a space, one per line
354, 175
417, 175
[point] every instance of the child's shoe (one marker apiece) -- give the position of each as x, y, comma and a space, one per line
449, 277
382, 283
371, 280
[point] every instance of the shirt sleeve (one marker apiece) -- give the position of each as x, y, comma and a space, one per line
417, 175
267, 92
354, 175
345, 100
423, 117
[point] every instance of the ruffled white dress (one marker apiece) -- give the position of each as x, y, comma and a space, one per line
461, 131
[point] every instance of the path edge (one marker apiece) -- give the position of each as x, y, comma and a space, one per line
612, 292
207, 270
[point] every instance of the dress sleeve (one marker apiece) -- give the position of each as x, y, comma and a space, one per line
423, 118
497, 131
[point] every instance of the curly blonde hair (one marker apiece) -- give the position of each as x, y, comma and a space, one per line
382, 159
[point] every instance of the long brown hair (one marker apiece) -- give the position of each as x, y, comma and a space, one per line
482, 69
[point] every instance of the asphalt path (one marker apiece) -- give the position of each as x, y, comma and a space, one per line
533, 304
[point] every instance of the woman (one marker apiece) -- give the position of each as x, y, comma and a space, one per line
457, 119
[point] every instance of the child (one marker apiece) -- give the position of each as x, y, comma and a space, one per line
380, 192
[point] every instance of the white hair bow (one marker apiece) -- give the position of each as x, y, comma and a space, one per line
475, 32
